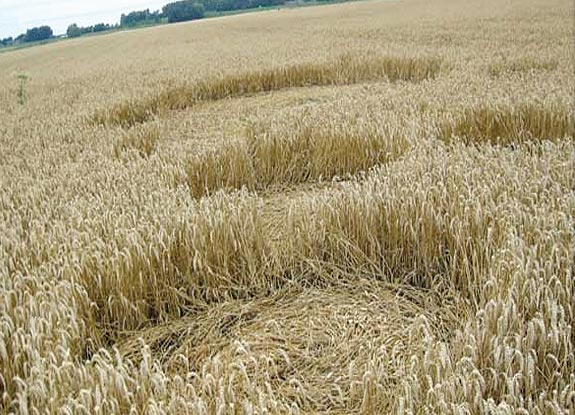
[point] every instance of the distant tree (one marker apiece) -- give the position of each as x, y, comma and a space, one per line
74, 31
38, 33
136, 18
224, 5
100, 27
181, 11
196, 11
7, 41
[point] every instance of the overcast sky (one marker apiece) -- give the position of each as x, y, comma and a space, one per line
18, 15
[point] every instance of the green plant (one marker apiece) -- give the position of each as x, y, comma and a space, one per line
21, 92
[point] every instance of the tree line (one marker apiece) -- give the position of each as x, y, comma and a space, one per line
178, 11
35, 34
75, 31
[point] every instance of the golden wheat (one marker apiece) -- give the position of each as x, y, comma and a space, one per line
510, 125
522, 65
343, 71
388, 228
299, 150
143, 140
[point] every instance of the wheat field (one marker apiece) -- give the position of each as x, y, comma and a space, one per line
358, 208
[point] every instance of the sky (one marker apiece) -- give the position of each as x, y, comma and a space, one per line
18, 15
